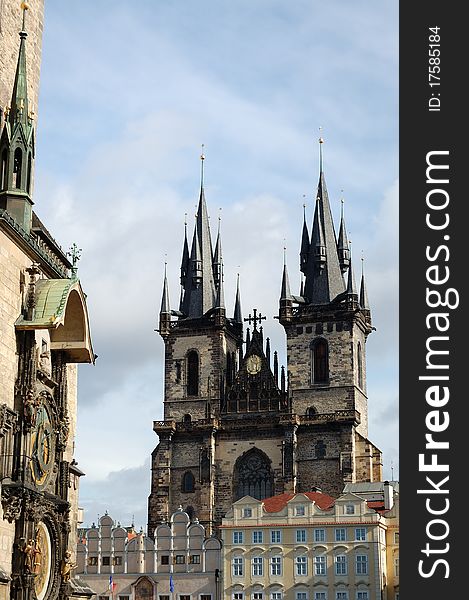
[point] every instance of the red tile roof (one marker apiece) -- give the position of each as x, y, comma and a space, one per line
276, 503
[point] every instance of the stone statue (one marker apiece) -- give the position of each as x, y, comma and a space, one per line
67, 566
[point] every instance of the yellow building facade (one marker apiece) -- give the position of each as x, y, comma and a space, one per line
310, 547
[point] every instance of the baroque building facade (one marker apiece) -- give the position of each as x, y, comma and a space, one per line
44, 335
234, 423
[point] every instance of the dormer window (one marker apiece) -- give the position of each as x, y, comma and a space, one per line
247, 512
300, 510
349, 509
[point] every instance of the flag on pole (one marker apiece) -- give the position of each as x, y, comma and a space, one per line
171, 584
112, 585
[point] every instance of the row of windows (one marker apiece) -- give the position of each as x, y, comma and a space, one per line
163, 597
337, 595
301, 535
178, 559
301, 565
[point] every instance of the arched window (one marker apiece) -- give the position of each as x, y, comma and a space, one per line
311, 412
253, 476
192, 373
360, 365
186, 419
3, 171
190, 511
188, 482
17, 165
229, 369
319, 361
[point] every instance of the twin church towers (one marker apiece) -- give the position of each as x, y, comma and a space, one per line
234, 423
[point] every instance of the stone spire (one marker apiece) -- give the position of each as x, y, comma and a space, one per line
324, 280
217, 258
200, 290
220, 300
304, 252
363, 291
342, 243
185, 257
165, 310
238, 315
286, 300
17, 146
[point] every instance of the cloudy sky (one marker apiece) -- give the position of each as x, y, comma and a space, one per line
129, 92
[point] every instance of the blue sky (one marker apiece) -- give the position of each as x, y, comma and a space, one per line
129, 92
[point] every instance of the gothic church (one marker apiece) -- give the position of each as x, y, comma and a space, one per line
236, 425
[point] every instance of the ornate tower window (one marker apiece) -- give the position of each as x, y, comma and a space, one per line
192, 373
319, 361
17, 164
253, 476
360, 365
28, 175
188, 482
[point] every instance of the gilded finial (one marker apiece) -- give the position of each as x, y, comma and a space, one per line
321, 142
202, 158
24, 8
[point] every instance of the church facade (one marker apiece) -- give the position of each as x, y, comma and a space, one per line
44, 335
235, 423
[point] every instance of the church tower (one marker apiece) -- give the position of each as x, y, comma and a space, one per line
327, 326
236, 424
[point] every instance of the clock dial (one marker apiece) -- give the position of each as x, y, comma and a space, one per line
42, 560
253, 364
42, 447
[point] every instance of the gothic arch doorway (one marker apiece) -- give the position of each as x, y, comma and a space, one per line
253, 476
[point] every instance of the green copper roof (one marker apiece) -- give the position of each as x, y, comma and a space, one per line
51, 299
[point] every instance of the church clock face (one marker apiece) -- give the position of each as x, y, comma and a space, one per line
253, 364
42, 561
42, 447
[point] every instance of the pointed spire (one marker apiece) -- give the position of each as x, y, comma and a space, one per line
217, 257
185, 255
267, 350
351, 286
363, 291
342, 243
324, 280
238, 315
165, 304
19, 99
285, 293
276, 367
304, 252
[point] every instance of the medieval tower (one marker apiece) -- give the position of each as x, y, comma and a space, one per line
44, 334
234, 423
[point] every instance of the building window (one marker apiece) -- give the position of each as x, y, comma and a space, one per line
341, 596
319, 565
276, 565
300, 510
257, 596
194, 559
319, 535
3, 171
311, 412
349, 509
320, 361
396, 567
362, 564
103, 597
238, 566
238, 596
360, 534
124, 597
320, 449
360, 366
205, 596
276, 536
237, 537
301, 563
301, 535
188, 482
341, 564
341, 534
396, 537
180, 559
253, 476
163, 597
247, 513
184, 597
17, 165
93, 561
258, 566
106, 561
117, 561
257, 537
276, 596
165, 559
192, 373
301, 596
178, 371
320, 595
363, 596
